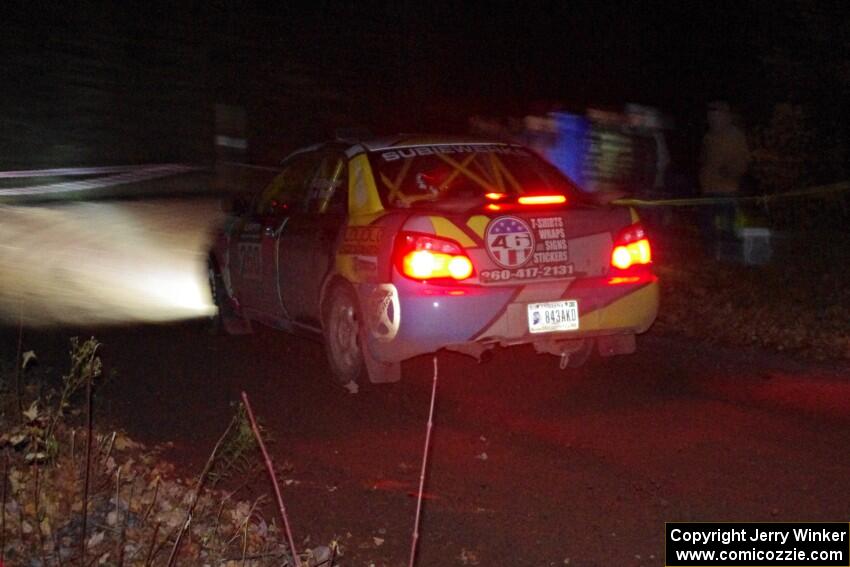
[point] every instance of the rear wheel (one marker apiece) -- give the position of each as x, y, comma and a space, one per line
349, 358
341, 329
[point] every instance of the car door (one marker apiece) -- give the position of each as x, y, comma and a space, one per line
308, 244
258, 242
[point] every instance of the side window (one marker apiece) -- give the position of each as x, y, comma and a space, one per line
328, 189
287, 192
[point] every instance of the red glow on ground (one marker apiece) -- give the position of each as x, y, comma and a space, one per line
392, 485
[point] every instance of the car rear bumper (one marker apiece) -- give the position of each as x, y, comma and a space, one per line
430, 318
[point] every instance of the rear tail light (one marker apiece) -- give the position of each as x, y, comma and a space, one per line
542, 200
427, 257
631, 248
502, 201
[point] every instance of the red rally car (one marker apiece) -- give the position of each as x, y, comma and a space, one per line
393, 248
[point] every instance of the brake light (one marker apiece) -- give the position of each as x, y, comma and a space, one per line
427, 257
631, 248
624, 280
542, 200
495, 196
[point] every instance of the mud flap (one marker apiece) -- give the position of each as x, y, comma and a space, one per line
616, 344
380, 372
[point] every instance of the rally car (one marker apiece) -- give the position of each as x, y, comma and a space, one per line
393, 248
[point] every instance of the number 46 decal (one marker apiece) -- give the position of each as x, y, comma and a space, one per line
510, 242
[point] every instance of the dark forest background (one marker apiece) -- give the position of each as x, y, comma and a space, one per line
134, 83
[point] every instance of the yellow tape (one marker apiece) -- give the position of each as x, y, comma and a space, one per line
696, 201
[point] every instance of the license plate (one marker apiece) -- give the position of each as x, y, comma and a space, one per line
553, 316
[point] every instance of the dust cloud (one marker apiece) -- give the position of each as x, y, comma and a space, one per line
106, 262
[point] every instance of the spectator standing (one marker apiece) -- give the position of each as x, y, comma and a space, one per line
724, 162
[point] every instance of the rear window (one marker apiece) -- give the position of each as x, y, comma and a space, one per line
406, 176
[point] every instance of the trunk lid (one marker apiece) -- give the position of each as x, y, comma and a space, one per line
526, 244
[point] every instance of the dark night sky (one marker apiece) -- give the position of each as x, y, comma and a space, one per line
511, 56
147, 74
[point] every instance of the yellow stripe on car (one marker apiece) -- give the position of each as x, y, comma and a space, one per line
478, 224
364, 203
345, 267
636, 310
446, 228
364, 207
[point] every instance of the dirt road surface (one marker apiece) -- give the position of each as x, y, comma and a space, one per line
530, 465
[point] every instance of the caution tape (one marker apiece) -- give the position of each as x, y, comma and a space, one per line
819, 190
123, 175
251, 166
71, 171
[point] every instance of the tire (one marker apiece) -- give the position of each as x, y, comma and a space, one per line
225, 321
341, 329
215, 325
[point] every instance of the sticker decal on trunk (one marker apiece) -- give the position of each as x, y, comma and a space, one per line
527, 252
510, 242
552, 242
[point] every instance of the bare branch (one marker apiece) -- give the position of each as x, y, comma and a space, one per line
425, 452
195, 495
273, 477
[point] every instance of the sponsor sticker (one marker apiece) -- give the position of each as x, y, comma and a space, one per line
527, 250
414, 151
510, 242
364, 240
